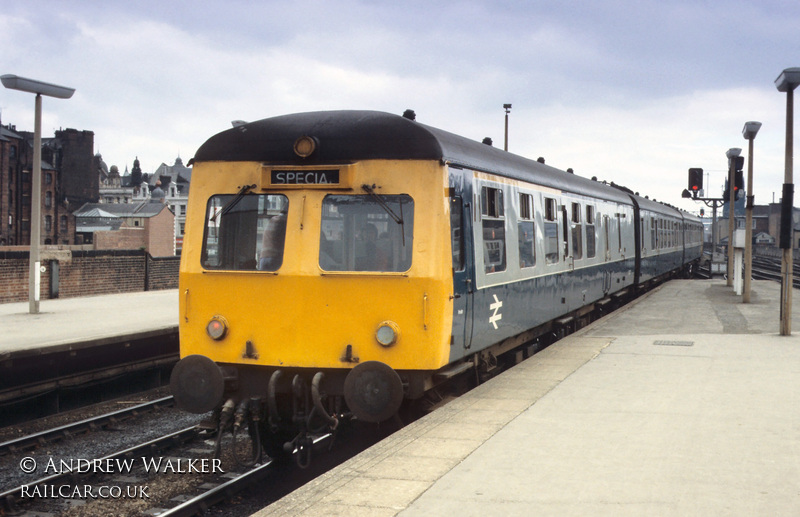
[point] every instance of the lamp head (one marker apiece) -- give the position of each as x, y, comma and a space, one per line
733, 152
788, 80
15, 82
750, 130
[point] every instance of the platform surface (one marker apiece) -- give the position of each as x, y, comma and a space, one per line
684, 402
73, 321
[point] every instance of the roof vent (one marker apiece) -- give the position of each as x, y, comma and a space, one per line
410, 115
487, 141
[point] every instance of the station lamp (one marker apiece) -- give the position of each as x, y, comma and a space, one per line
38, 88
787, 82
749, 133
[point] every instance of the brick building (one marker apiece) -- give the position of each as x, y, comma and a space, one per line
68, 181
147, 225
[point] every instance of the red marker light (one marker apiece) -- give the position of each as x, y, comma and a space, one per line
217, 328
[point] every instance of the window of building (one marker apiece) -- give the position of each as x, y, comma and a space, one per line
48, 199
48, 178
62, 224
48, 223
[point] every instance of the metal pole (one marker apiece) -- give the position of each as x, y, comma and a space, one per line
714, 231
505, 146
34, 274
788, 188
731, 216
748, 230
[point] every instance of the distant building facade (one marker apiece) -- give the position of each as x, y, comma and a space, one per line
766, 224
172, 182
147, 225
66, 173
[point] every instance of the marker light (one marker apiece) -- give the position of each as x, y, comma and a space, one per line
304, 146
387, 333
217, 328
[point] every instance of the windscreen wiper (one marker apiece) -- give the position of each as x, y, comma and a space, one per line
397, 218
233, 202
369, 190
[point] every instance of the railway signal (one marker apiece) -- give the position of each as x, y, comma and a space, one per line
695, 181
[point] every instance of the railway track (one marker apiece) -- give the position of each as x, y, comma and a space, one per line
70, 430
174, 474
768, 268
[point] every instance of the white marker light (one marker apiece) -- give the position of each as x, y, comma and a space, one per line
387, 333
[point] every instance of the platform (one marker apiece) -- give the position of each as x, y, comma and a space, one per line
684, 402
88, 319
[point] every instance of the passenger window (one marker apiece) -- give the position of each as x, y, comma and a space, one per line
550, 231
494, 230
577, 240
456, 232
366, 233
652, 233
590, 233
245, 232
526, 232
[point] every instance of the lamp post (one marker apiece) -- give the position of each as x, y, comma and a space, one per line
39, 88
749, 132
506, 107
732, 154
787, 82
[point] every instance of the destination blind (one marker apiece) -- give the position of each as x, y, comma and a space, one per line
301, 177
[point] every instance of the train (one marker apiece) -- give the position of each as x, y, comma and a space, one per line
338, 264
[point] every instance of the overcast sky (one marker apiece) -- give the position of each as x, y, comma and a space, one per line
630, 91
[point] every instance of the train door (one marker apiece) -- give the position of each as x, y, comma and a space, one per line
565, 229
607, 251
638, 232
463, 267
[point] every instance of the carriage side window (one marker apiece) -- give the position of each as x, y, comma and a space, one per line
550, 231
590, 233
362, 233
245, 232
577, 227
456, 232
641, 233
494, 230
659, 236
652, 233
526, 232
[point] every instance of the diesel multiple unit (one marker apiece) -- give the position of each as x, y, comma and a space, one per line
338, 263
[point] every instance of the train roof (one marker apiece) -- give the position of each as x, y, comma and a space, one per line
349, 136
